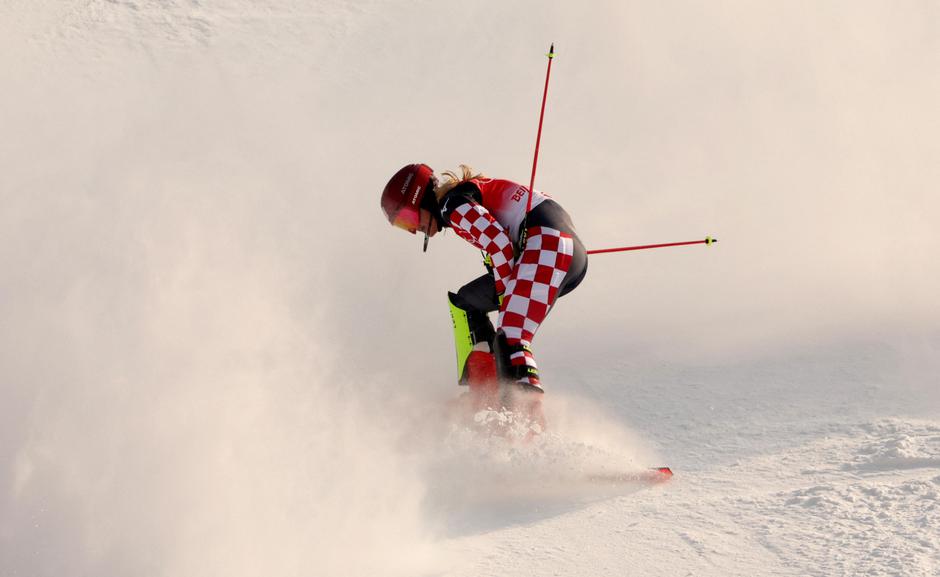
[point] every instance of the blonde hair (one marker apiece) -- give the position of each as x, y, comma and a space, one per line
452, 179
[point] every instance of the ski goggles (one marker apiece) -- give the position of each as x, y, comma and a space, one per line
408, 218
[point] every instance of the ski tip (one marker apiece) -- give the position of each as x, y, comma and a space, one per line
652, 476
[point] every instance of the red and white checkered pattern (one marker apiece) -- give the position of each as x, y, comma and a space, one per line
533, 287
475, 224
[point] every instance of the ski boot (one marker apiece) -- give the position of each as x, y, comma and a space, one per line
520, 389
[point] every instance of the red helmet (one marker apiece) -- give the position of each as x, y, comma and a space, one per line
402, 197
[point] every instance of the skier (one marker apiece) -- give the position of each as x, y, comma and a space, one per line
531, 259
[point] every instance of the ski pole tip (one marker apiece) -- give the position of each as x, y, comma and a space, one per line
709, 240
551, 51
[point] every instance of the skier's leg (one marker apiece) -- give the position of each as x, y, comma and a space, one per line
479, 294
577, 270
530, 293
550, 214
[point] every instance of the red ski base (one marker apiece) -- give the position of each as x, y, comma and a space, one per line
653, 476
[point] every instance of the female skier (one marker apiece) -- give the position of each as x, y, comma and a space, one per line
531, 259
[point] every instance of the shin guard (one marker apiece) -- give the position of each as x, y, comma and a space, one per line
471, 327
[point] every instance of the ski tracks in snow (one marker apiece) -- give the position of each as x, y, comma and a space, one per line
867, 502
252, 36
863, 499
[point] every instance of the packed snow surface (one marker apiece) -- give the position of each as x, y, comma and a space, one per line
216, 357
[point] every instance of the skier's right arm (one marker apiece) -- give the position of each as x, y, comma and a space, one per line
471, 221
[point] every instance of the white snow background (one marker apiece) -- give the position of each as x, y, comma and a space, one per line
216, 357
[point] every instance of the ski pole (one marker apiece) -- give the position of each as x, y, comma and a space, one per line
708, 240
538, 136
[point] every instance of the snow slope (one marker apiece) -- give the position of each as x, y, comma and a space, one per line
797, 481
217, 359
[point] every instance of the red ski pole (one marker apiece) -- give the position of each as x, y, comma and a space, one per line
708, 240
538, 137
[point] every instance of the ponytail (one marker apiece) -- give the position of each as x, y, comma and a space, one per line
452, 179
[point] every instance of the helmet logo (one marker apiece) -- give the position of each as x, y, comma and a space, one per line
404, 187
404, 192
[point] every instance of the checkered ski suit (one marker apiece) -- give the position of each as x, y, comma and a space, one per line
529, 284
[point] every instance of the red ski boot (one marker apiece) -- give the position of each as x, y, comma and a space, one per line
481, 377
